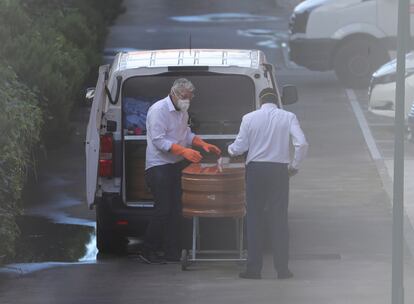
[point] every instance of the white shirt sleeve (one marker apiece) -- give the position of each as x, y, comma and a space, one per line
156, 130
299, 142
241, 144
189, 137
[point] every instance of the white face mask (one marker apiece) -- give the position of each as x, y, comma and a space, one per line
183, 104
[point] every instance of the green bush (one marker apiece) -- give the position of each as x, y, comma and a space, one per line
53, 45
48, 49
20, 121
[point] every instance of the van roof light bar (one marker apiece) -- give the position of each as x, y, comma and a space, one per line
187, 68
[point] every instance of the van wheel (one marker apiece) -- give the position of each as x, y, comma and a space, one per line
107, 240
356, 60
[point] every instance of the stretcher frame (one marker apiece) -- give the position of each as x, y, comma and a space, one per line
189, 257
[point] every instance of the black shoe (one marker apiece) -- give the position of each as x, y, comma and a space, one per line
151, 257
248, 275
284, 275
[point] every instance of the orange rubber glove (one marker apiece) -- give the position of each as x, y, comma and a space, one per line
189, 154
198, 142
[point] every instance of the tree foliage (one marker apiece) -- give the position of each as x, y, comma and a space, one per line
20, 122
48, 49
53, 45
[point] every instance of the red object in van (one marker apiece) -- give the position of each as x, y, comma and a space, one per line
105, 156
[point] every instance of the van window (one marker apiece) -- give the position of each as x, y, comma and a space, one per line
219, 104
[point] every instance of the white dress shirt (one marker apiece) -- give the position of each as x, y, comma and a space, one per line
166, 126
266, 132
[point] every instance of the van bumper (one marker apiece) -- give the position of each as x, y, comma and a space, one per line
125, 220
314, 54
217, 233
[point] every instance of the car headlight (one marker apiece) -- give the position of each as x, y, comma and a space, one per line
298, 22
388, 78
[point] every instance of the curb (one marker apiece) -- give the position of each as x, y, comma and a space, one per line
13, 271
8, 273
387, 183
386, 179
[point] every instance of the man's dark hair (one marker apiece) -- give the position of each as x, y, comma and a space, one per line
268, 95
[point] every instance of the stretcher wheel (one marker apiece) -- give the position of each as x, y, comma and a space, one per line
184, 260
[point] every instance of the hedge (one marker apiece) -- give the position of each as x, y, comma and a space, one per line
20, 122
52, 45
48, 50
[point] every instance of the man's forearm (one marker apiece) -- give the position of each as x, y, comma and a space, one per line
300, 154
235, 150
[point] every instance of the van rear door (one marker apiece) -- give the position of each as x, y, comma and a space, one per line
93, 137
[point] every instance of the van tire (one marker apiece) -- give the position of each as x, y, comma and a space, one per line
356, 59
108, 241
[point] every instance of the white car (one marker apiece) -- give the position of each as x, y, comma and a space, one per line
383, 85
351, 37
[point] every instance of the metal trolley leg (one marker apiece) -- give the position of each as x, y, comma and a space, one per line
240, 222
189, 257
196, 233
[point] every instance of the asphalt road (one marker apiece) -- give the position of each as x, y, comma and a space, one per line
340, 218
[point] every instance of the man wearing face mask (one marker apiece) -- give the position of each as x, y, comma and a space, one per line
168, 142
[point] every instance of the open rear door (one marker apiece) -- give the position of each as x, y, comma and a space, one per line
93, 137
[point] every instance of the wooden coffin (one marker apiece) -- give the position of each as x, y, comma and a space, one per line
135, 181
210, 192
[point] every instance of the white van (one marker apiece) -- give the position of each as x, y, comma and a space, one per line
227, 83
351, 37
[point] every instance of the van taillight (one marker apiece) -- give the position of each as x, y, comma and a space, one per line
105, 156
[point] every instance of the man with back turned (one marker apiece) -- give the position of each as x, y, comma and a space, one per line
265, 134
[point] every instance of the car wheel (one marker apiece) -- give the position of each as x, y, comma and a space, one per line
356, 60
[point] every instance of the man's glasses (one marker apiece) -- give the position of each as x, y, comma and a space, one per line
188, 95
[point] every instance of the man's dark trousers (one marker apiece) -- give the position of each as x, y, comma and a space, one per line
267, 196
165, 184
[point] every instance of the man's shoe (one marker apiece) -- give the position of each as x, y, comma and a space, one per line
248, 275
284, 275
151, 257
